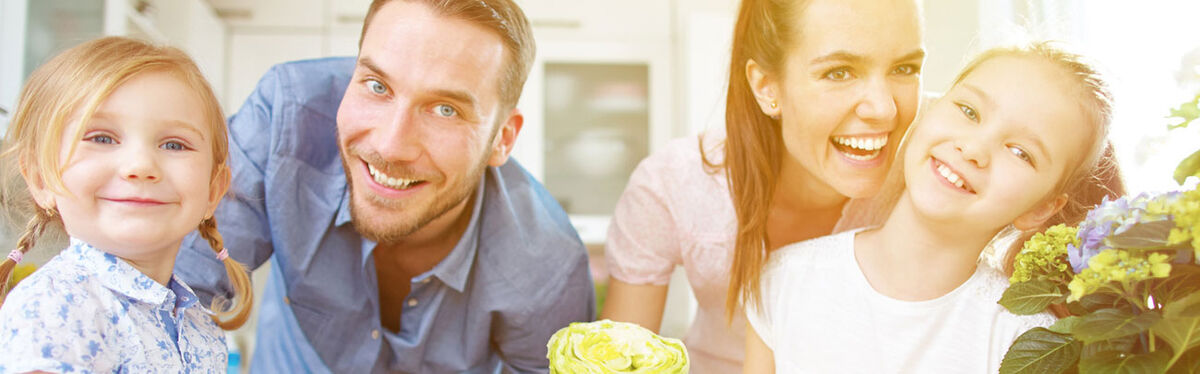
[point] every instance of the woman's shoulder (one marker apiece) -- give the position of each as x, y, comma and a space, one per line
685, 175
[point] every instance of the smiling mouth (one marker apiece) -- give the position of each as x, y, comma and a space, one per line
949, 175
135, 201
861, 148
392, 182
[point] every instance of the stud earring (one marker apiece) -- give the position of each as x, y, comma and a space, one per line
773, 105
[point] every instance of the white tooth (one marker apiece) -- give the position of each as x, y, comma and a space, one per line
879, 142
859, 143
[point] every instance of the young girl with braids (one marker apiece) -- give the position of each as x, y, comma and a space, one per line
1018, 141
124, 145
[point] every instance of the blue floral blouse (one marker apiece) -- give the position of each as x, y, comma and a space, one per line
87, 311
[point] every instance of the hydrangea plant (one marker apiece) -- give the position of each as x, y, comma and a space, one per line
1128, 275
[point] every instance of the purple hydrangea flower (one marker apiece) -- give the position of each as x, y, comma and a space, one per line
1113, 217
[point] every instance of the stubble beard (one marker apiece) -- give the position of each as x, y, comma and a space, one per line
394, 232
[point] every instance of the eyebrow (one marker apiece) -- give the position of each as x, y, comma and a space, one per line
173, 122
983, 96
856, 58
366, 63
460, 96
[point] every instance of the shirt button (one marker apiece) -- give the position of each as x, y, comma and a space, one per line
426, 280
375, 334
287, 301
412, 302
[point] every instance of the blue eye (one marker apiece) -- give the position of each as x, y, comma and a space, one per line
445, 110
102, 139
968, 111
174, 146
839, 74
376, 87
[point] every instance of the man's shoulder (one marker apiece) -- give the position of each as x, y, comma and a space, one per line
524, 225
311, 81
516, 200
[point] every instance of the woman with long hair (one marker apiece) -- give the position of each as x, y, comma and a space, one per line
819, 93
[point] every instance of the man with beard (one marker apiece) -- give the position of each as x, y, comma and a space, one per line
401, 237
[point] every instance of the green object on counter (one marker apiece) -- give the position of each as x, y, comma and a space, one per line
614, 347
19, 273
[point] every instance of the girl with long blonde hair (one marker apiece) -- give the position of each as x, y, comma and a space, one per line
123, 144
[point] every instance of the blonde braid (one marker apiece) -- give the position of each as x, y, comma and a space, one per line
227, 317
35, 228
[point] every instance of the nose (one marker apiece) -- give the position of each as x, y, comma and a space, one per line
139, 163
877, 103
399, 139
973, 148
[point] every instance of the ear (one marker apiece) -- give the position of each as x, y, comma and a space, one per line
217, 190
765, 89
1035, 217
506, 137
42, 195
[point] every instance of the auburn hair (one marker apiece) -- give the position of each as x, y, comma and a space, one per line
754, 142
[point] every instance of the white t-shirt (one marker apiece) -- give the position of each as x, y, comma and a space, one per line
820, 315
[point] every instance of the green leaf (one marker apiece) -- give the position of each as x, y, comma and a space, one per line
1190, 166
1121, 344
1184, 281
1124, 363
1096, 301
1145, 235
1107, 324
1178, 330
1032, 297
1189, 363
1187, 112
1041, 351
1065, 325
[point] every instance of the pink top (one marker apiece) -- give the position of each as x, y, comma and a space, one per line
675, 211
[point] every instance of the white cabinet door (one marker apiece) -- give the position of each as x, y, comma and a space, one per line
589, 20
250, 55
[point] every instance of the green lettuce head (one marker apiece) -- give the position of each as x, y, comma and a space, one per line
614, 347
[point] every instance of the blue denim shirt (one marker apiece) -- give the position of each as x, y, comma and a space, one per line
518, 274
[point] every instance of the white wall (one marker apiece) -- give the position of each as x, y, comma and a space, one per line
12, 38
263, 33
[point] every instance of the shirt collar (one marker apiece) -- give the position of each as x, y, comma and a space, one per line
184, 296
456, 267
119, 276
343, 213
